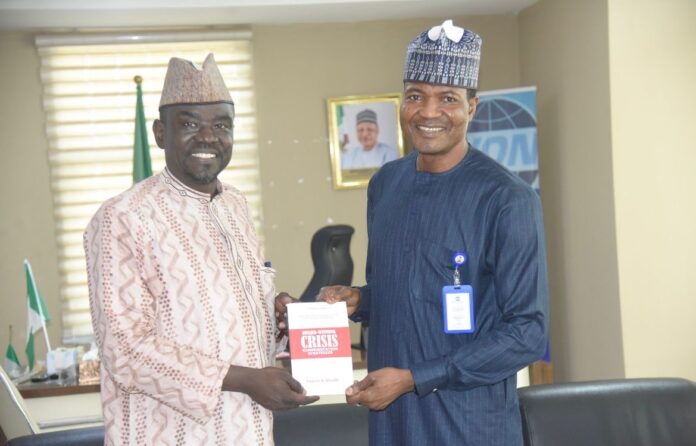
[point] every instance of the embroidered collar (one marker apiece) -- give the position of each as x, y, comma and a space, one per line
185, 191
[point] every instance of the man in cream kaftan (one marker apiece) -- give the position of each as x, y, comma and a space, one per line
182, 305
177, 275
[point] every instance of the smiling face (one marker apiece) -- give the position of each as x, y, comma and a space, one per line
367, 134
435, 119
197, 142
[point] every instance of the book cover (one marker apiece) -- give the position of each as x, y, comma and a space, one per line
320, 351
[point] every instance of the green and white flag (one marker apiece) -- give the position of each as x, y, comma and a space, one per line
11, 364
342, 135
142, 165
36, 315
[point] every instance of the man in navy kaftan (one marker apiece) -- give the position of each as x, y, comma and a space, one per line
465, 384
427, 386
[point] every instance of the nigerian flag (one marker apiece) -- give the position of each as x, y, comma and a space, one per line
11, 364
142, 166
36, 314
342, 135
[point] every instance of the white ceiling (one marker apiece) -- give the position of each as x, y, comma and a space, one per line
54, 14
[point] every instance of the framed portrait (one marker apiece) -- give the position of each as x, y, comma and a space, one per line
364, 133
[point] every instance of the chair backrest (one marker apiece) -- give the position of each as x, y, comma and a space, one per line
331, 257
635, 412
322, 425
86, 436
14, 416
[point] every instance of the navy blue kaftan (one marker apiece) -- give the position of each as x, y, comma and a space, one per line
465, 383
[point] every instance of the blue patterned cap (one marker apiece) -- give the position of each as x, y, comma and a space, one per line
444, 55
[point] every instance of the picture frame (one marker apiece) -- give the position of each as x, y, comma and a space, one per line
364, 133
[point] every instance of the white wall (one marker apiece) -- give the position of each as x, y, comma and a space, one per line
27, 228
652, 48
564, 52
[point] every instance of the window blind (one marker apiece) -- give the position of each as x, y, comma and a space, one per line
89, 102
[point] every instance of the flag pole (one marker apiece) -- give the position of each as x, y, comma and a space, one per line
43, 319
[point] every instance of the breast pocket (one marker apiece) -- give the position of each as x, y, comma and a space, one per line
434, 269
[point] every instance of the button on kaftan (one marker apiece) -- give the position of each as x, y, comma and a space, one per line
178, 293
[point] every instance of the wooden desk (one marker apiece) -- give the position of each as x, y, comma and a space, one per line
540, 373
71, 387
55, 388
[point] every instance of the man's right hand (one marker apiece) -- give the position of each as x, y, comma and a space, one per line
337, 293
272, 387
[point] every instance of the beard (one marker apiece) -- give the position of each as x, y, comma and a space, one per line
204, 175
203, 172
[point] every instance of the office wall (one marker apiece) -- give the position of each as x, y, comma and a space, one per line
296, 69
26, 207
652, 49
615, 140
564, 52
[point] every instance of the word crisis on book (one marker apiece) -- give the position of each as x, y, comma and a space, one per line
325, 342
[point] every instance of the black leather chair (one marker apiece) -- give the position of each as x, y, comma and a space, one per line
88, 436
629, 412
323, 425
331, 257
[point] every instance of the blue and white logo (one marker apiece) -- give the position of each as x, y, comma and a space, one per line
504, 128
459, 258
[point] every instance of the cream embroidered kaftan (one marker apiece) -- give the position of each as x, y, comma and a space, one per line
178, 292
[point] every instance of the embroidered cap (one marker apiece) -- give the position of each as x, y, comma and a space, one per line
366, 115
185, 83
444, 55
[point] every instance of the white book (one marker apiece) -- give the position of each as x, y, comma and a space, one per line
320, 351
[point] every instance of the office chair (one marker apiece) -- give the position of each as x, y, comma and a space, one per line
636, 412
14, 416
21, 429
331, 257
85, 436
321, 425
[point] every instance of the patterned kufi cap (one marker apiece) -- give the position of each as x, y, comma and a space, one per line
185, 83
366, 115
444, 55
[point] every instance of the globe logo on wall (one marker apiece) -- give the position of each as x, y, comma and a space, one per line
504, 128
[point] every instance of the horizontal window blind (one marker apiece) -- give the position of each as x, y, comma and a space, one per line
89, 102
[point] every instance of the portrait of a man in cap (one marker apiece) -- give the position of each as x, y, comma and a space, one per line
182, 305
370, 152
456, 282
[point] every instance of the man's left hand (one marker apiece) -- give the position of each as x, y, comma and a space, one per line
281, 311
380, 388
